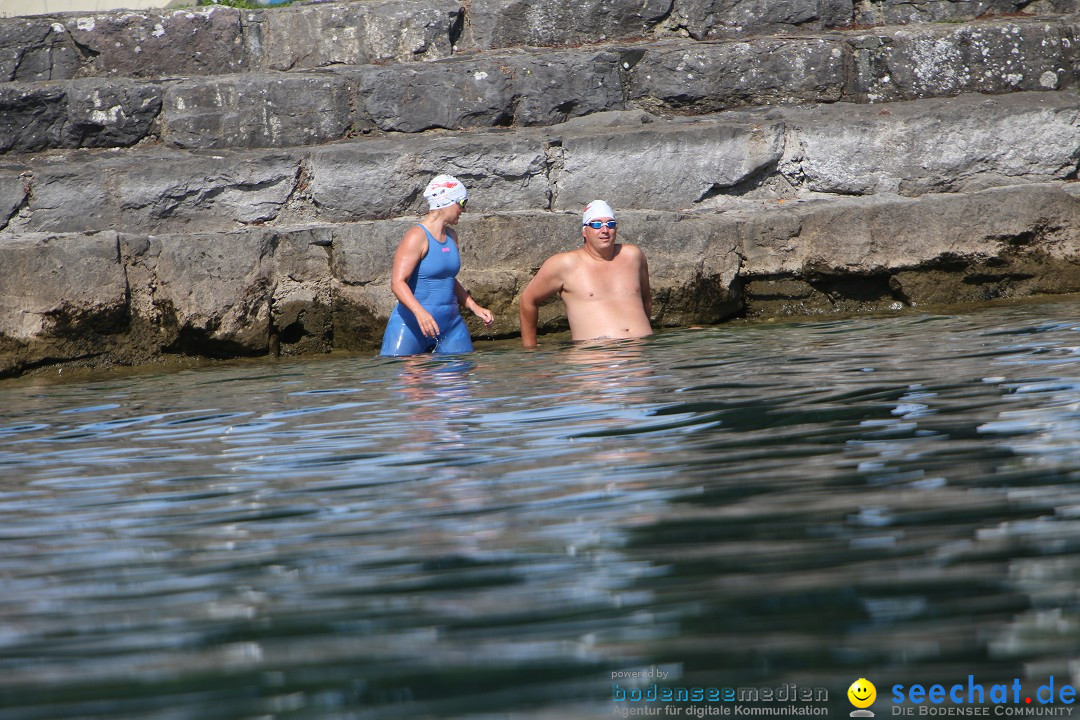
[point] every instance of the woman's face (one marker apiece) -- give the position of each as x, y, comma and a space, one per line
455, 212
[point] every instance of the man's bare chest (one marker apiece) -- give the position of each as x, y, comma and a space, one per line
596, 280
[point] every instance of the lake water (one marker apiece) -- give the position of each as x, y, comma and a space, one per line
510, 534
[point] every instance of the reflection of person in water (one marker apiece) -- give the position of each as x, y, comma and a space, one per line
436, 390
424, 280
437, 401
615, 384
608, 367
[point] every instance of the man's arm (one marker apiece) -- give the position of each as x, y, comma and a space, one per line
546, 283
646, 292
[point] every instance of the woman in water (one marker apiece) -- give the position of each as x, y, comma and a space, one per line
424, 280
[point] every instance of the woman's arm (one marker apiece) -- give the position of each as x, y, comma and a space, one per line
462, 294
464, 298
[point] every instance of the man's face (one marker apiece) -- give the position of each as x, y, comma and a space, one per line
601, 237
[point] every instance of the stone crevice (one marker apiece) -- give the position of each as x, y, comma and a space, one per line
87, 54
298, 194
458, 25
21, 205
554, 161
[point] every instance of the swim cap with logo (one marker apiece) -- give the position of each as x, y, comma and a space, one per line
444, 191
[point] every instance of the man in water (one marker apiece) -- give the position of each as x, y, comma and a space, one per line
604, 284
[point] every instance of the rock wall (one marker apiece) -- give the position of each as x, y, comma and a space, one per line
223, 182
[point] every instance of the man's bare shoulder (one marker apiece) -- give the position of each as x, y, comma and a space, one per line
631, 251
563, 260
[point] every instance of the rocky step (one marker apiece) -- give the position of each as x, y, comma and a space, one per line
217, 39
537, 87
214, 40
712, 163
108, 297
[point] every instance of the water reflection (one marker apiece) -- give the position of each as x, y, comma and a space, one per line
746, 505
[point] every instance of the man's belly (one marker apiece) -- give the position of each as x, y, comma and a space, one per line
612, 318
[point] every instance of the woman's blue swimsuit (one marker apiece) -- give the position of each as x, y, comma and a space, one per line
432, 283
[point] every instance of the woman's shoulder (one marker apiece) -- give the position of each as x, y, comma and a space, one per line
416, 233
415, 239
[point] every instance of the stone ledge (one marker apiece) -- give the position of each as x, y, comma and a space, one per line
709, 163
535, 88
214, 40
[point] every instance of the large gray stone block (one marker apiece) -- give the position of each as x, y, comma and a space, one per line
157, 191
556, 86
302, 293
109, 113
206, 191
162, 43
206, 292
60, 286
867, 236
511, 23
31, 118
354, 33
991, 57
233, 293
708, 77
516, 88
662, 165
256, 110
35, 49
902, 12
939, 145
68, 195
362, 251
879, 253
704, 19
694, 264
89, 112
381, 179
458, 93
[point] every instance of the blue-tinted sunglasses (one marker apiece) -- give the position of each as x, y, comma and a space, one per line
597, 224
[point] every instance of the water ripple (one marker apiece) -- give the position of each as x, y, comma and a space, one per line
803, 502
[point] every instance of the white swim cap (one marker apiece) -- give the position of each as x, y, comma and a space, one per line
444, 191
597, 209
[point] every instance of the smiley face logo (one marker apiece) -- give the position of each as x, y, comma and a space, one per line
862, 693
